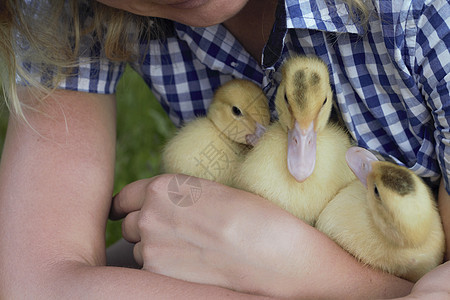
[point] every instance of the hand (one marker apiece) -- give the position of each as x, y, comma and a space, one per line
208, 233
433, 285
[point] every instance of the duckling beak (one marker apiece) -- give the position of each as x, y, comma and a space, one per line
360, 161
252, 139
301, 154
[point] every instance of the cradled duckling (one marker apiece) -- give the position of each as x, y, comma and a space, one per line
299, 163
211, 147
387, 220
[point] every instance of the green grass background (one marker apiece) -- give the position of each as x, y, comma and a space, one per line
142, 129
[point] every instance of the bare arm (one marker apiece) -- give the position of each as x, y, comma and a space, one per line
240, 241
55, 194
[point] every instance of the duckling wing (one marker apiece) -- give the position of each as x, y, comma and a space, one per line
200, 150
346, 221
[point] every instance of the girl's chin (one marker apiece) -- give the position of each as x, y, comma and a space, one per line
203, 13
200, 13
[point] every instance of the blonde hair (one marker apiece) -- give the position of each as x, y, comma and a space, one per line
47, 33
359, 11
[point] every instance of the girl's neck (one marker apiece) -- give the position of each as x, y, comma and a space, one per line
252, 25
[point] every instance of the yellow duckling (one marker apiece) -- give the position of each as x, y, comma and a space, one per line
299, 163
392, 224
211, 147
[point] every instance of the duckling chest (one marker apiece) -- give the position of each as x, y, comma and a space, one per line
330, 167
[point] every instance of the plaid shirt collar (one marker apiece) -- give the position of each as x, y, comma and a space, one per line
324, 15
385, 96
331, 16
290, 14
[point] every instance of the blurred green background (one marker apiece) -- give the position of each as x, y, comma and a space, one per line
142, 129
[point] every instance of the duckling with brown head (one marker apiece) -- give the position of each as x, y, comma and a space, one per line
387, 219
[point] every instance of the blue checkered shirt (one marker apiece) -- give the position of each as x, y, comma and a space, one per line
391, 82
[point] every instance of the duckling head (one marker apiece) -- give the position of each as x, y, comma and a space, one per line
400, 203
303, 103
240, 111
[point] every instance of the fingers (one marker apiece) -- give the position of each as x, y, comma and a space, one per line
130, 227
137, 253
129, 199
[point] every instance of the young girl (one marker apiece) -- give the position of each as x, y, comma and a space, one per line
389, 64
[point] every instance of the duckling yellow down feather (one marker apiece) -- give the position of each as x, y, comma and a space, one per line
393, 224
299, 163
211, 147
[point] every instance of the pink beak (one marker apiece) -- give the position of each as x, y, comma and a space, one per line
360, 161
301, 155
252, 139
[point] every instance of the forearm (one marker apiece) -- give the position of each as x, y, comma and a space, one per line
346, 278
313, 267
73, 280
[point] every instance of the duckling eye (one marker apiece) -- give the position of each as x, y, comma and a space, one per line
287, 101
375, 191
236, 111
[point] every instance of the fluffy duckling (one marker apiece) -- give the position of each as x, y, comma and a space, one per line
387, 220
211, 147
299, 163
